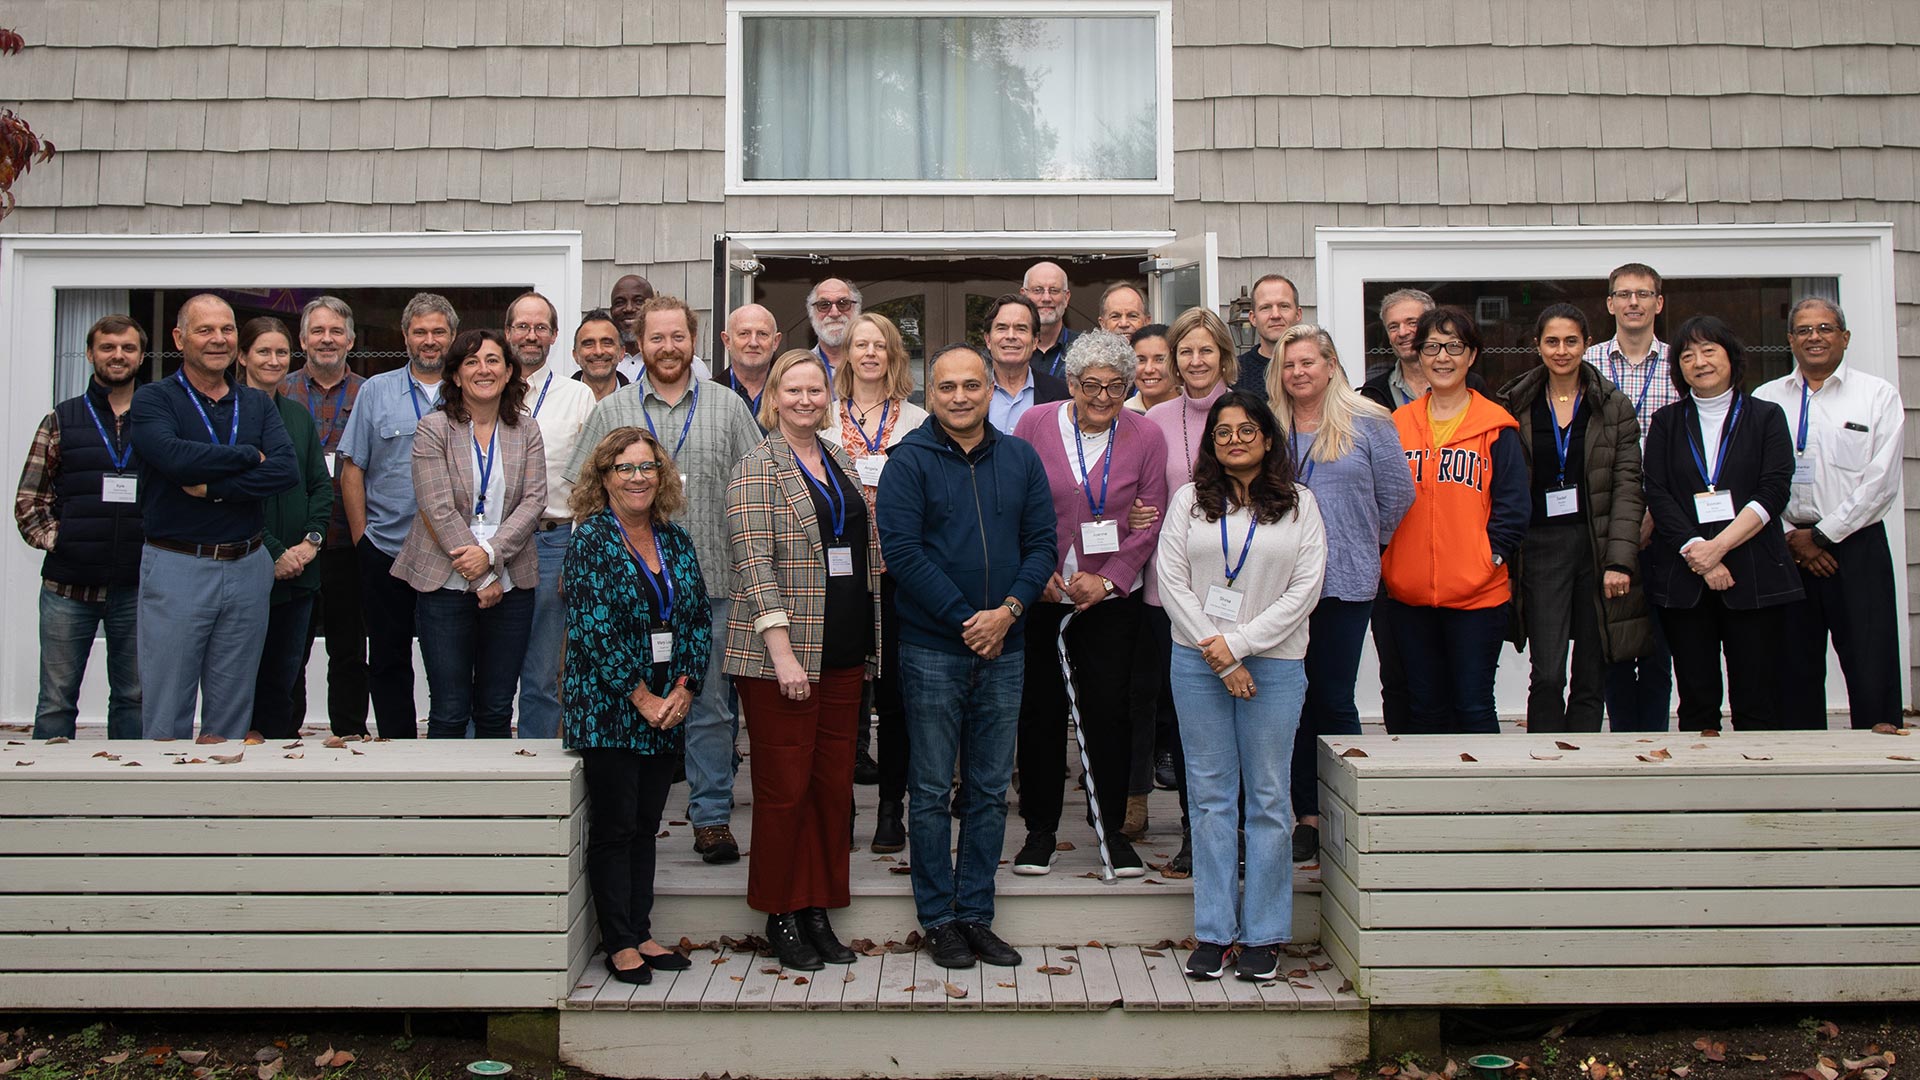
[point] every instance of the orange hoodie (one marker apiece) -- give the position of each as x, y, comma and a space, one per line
1470, 502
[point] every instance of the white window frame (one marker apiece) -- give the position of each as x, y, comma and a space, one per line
34, 267
1161, 10
1860, 255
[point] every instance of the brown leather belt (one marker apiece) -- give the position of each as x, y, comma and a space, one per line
217, 552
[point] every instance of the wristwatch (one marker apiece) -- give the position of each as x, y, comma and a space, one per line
1014, 606
1106, 586
318, 540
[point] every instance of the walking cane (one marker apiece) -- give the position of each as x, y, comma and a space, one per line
1086, 764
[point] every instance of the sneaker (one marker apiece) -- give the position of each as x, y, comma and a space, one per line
987, 945
1036, 855
1126, 861
1258, 962
1164, 777
947, 947
715, 844
1209, 961
1135, 827
1306, 843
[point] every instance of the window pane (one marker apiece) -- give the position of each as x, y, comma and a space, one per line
846, 98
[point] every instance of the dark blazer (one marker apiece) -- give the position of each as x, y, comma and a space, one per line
1759, 467
1047, 387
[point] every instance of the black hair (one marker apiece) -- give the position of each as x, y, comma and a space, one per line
1562, 311
1448, 319
453, 399
1271, 495
1710, 330
1151, 330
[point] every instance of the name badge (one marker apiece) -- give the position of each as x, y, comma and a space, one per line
1711, 506
119, 489
1099, 537
662, 641
1803, 468
1223, 603
839, 562
869, 469
1563, 501
482, 531
333, 463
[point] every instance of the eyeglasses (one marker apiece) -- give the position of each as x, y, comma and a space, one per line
844, 304
1452, 348
1047, 291
1243, 433
1114, 389
531, 328
1825, 329
1642, 295
627, 470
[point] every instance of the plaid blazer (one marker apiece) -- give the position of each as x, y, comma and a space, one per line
779, 564
443, 486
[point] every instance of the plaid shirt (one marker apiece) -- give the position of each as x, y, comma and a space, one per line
33, 502
330, 410
1649, 385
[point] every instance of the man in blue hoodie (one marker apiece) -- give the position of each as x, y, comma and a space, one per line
967, 530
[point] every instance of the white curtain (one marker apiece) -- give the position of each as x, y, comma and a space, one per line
74, 313
988, 98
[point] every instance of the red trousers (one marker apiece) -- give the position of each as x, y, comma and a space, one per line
802, 790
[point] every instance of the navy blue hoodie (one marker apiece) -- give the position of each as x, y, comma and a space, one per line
961, 532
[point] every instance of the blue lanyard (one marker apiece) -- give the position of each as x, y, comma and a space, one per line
544, 387
1053, 366
836, 499
233, 434
414, 394
333, 422
1253, 522
684, 428
753, 402
485, 465
121, 457
1799, 443
873, 444
1640, 405
1563, 440
661, 585
1306, 476
1726, 436
824, 362
1086, 475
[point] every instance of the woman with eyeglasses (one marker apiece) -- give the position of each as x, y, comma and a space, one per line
1345, 450
1446, 568
1582, 550
1100, 458
1241, 558
639, 633
1719, 463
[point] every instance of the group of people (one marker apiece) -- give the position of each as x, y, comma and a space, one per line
1136, 532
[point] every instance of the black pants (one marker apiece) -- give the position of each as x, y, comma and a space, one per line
387, 604
1450, 656
280, 659
1561, 604
1394, 707
626, 793
336, 616
1754, 641
886, 699
1855, 606
1150, 700
1100, 642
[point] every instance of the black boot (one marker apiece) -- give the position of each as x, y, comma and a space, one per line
790, 943
890, 830
819, 931
865, 769
1182, 863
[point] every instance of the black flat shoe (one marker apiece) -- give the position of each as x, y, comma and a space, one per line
987, 945
819, 930
635, 976
667, 961
948, 948
790, 943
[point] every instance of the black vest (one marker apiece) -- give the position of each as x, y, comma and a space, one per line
99, 542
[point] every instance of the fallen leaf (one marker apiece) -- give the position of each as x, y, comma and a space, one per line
1898, 757
293, 757
849, 978
1412, 1071
1389, 1070
801, 981
1064, 845
1094, 945
1698, 746
1681, 1071
357, 753
1597, 1070
1301, 985
57, 740
1004, 985
1152, 952
1710, 733
1645, 757
23, 762
1452, 1070
1828, 1030
1467, 757
1661, 754
1757, 757
1560, 745
325, 1057
1873, 1074
333, 742
294, 745
9, 1065
1297, 973
1712, 1051
272, 1068
956, 991
1543, 757
1345, 987
900, 869
34, 1056
253, 738
109, 757
210, 740
1319, 967
228, 759
126, 764
523, 752
1754, 1057
1353, 751
1869, 1061
738, 978
770, 971
1091, 874
117, 1059
1878, 729
1053, 969
193, 1057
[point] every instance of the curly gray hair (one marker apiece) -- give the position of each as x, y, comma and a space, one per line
1097, 348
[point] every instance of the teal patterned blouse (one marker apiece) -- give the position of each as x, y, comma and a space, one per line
610, 612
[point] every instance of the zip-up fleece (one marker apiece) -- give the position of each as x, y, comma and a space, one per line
961, 532
1470, 501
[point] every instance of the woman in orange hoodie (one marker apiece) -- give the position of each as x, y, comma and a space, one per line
1446, 569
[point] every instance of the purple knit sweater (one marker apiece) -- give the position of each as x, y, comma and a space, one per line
1139, 472
1183, 446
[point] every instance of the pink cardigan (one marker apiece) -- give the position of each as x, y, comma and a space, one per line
1183, 447
1139, 471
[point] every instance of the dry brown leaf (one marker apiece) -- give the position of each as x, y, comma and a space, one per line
23, 762
1389, 1070
1064, 845
227, 759
1301, 985
1413, 1071
1094, 945
34, 1056
1597, 1070
1468, 757
801, 981
1297, 973
1053, 969
1888, 729
1353, 751
1452, 1070
1644, 757
325, 1056
117, 1059
1873, 1074
523, 752
1004, 985
210, 740
9, 1065
738, 978
956, 991
1537, 756
272, 1068
294, 745
1757, 757
126, 764
1870, 1061
1712, 1051
333, 742
1562, 745
902, 868
253, 738
1698, 746
1898, 757
1345, 987
849, 978
293, 757
57, 740
1661, 754
770, 971
1710, 733
1319, 967
1681, 1071
1155, 952
1754, 1057
194, 1057
1828, 1030
109, 757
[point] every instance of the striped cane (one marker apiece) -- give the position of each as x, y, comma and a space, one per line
1086, 764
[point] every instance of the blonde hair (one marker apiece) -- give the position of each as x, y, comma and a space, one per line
1200, 320
899, 377
770, 402
1339, 410
590, 487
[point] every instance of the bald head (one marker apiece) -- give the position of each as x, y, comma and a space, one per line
752, 338
629, 293
1046, 285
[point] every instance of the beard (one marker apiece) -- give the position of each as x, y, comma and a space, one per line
429, 367
110, 381
832, 332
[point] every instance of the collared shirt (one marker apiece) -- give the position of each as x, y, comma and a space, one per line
330, 409
1397, 383
1854, 426
1006, 408
752, 401
619, 380
1054, 361
1648, 384
379, 439
562, 412
719, 435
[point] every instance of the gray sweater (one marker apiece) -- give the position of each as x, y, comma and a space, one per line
1362, 497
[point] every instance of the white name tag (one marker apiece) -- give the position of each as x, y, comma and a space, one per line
119, 489
1563, 501
1713, 506
662, 646
333, 463
1223, 603
839, 562
482, 531
1099, 537
869, 469
1803, 468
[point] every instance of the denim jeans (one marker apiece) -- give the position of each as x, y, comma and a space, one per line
281, 657
713, 728
202, 624
1337, 630
959, 709
1450, 655
540, 672
473, 660
1240, 749
67, 628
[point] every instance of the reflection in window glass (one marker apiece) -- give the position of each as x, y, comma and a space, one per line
988, 98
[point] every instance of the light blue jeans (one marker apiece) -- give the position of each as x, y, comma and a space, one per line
540, 671
713, 727
1230, 744
67, 628
202, 626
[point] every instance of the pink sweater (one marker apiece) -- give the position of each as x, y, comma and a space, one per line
1139, 472
1183, 425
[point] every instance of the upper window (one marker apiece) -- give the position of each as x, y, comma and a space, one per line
1074, 96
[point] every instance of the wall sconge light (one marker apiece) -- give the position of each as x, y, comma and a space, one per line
1240, 319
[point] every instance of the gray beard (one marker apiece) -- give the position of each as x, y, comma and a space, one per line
426, 367
832, 336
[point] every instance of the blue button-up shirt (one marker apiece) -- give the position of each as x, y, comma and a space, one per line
379, 439
1006, 409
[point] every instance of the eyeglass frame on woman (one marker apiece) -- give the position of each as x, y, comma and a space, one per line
1244, 433
1452, 348
1116, 389
627, 469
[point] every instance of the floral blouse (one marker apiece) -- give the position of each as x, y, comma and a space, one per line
898, 418
609, 651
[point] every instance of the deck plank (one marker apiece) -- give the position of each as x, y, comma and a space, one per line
896, 982
862, 994
824, 989
1169, 978
1000, 990
613, 994
691, 987
1315, 995
1280, 995
1242, 996
972, 980
756, 990
1102, 986
1137, 993
1208, 994
929, 984
586, 988
1033, 987
1069, 991
722, 992
791, 993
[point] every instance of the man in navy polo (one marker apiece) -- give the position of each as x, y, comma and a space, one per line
213, 452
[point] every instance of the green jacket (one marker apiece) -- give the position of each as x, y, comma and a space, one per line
303, 508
